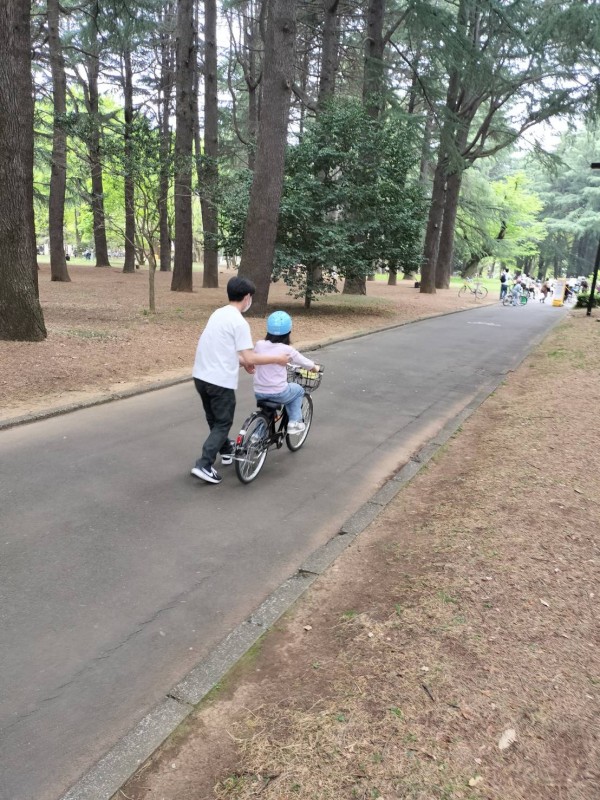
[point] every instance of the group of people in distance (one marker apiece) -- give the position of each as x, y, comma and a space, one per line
226, 345
522, 284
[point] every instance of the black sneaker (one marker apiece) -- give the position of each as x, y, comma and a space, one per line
208, 474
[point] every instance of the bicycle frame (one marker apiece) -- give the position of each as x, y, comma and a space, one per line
276, 436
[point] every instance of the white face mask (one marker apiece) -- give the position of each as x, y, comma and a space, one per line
247, 307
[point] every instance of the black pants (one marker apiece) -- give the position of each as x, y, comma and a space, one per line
219, 407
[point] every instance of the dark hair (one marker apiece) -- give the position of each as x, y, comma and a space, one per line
283, 339
238, 288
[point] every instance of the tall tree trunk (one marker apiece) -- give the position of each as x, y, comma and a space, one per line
436, 208
166, 88
77, 233
434, 227
129, 265
252, 73
267, 184
373, 96
21, 316
556, 265
184, 137
443, 269
92, 101
374, 70
448, 146
58, 174
542, 269
425, 164
211, 149
392, 274
329, 51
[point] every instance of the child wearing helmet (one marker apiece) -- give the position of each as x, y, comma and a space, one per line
270, 380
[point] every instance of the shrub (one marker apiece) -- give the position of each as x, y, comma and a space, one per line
583, 299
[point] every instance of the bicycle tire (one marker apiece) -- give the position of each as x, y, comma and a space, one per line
507, 301
480, 293
296, 440
462, 291
252, 452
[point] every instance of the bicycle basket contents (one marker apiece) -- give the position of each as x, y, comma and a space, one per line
309, 380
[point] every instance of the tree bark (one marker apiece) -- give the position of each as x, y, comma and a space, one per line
77, 234
373, 95
184, 137
211, 149
252, 72
434, 227
443, 269
329, 52
166, 88
436, 208
92, 101
425, 164
58, 174
267, 184
129, 265
374, 72
542, 269
21, 316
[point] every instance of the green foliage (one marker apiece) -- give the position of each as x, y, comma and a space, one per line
583, 300
570, 191
497, 219
349, 202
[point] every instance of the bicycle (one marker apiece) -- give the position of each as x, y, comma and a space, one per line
515, 299
479, 291
267, 427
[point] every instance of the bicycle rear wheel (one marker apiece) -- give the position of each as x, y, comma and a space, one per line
295, 441
481, 292
251, 453
462, 291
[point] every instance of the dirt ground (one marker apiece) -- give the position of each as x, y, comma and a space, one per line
101, 338
452, 652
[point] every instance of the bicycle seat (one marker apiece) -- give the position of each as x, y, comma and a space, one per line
269, 405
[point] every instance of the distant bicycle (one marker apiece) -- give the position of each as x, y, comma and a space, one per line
477, 289
267, 427
515, 297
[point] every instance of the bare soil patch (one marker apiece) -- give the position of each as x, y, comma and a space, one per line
101, 337
467, 610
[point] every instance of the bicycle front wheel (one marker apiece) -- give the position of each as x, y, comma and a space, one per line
295, 440
480, 292
462, 291
250, 455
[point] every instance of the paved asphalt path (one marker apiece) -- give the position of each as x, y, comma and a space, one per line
119, 571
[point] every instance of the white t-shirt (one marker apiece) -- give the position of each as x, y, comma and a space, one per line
226, 333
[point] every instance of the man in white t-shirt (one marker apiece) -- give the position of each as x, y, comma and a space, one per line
224, 346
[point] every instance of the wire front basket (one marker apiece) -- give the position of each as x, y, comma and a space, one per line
309, 380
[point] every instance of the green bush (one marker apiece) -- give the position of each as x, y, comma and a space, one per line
583, 299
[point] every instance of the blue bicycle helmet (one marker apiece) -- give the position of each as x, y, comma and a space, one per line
279, 323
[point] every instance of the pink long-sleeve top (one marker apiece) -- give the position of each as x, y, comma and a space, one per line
272, 378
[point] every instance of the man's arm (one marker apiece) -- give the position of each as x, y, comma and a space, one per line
248, 358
